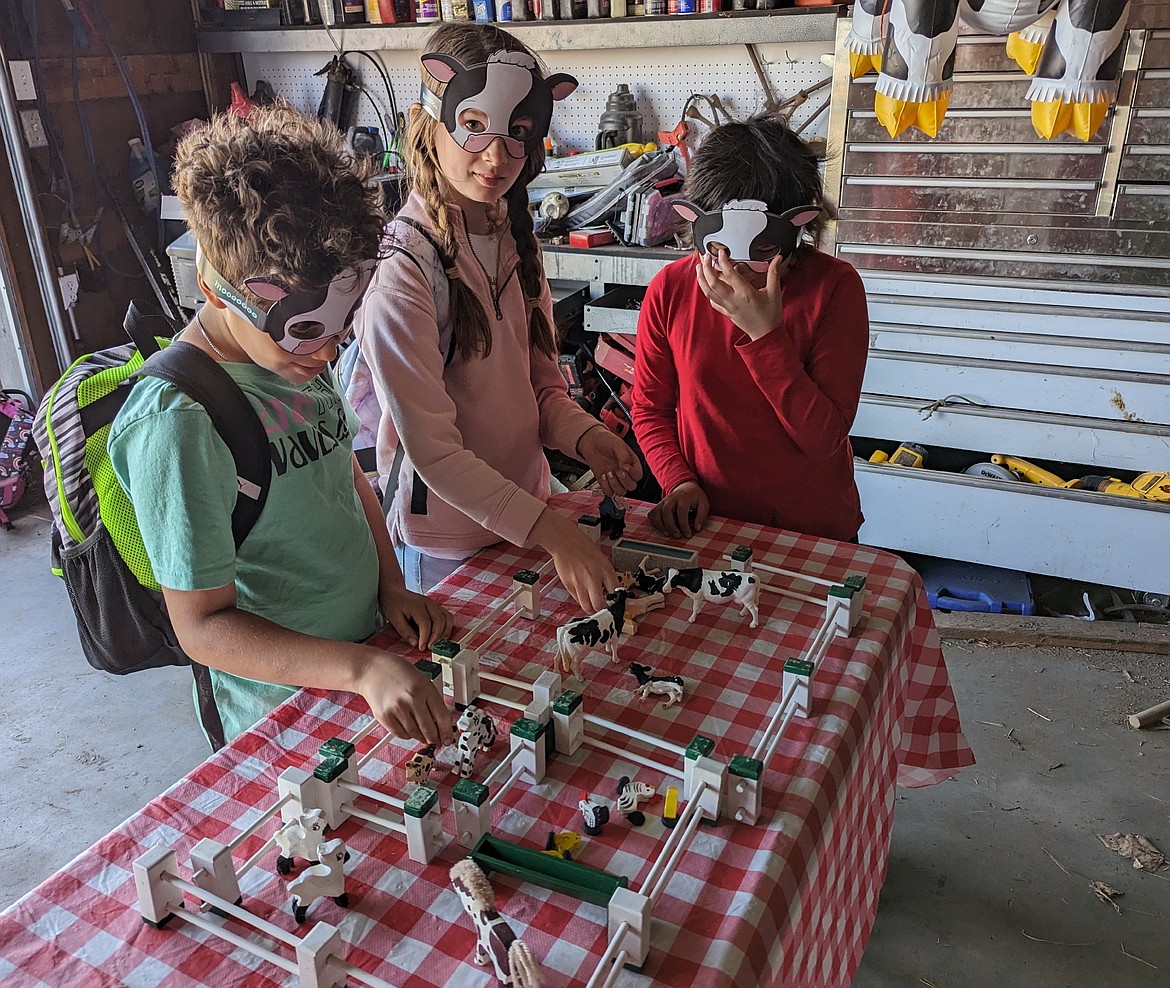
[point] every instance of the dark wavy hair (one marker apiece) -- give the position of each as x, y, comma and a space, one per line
758, 158
277, 194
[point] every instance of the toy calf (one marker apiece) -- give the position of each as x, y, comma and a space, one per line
327, 877
669, 686
512, 960
299, 838
600, 630
477, 732
420, 765
719, 586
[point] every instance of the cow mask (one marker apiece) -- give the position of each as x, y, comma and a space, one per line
299, 322
751, 234
496, 98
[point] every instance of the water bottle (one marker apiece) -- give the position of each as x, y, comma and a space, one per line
142, 177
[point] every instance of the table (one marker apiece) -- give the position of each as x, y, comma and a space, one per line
790, 901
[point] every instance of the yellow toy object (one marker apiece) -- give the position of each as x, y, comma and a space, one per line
562, 845
1070, 48
1037, 475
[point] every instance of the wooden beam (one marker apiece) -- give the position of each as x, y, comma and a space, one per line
98, 76
1012, 629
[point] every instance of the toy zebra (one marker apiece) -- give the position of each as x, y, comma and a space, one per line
513, 961
629, 795
477, 732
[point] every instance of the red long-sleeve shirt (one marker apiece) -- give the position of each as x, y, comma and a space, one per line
762, 426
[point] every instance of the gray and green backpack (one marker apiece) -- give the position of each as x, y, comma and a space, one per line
97, 548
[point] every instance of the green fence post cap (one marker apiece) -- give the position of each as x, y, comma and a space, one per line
530, 730
700, 747
336, 748
420, 802
567, 702
446, 648
741, 553
330, 768
432, 670
799, 667
846, 593
528, 576
746, 767
855, 581
467, 791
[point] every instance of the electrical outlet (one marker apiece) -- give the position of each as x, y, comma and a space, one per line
70, 284
23, 87
34, 130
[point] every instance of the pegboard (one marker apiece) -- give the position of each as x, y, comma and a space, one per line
660, 78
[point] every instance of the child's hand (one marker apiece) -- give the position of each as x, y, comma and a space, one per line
404, 701
757, 311
585, 572
418, 620
613, 463
683, 512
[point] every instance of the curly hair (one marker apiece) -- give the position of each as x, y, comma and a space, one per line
471, 44
277, 194
758, 158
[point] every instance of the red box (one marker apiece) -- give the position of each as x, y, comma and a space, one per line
614, 357
591, 237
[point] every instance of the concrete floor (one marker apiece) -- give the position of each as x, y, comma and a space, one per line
989, 874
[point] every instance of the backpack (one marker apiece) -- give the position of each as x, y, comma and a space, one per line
97, 548
17, 449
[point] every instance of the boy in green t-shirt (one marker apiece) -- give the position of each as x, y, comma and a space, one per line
287, 233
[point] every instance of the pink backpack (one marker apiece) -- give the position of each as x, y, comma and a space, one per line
17, 449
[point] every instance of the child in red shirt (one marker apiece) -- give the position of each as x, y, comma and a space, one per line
750, 355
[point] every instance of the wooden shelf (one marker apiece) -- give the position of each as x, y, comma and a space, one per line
793, 24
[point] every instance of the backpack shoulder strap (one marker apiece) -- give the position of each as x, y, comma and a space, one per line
199, 377
441, 255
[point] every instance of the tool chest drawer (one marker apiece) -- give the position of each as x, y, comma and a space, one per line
1065, 377
616, 311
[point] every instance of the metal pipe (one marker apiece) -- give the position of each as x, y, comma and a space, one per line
620, 932
784, 592
630, 756
672, 839
512, 780
238, 941
30, 214
369, 727
231, 909
264, 817
487, 619
631, 732
377, 797
501, 768
772, 722
397, 828
495, 677
618, 963
374, 750
500, 628
254, 860
501, 701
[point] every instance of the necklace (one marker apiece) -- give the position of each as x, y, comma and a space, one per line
210, 341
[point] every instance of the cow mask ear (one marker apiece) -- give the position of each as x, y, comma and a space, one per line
268, 289
561, 85
443, 68
687, 210
801, 216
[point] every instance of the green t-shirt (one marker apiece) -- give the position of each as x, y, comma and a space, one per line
309, 563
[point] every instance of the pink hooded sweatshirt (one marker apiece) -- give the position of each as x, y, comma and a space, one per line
472, 430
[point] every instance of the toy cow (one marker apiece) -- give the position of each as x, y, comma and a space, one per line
595, 814
599, 630
299, 838
327, 877
719, 586
420, 765
629, 795
477, 732
512, 960
669, 686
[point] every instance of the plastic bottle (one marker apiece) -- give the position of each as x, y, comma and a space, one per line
141, 177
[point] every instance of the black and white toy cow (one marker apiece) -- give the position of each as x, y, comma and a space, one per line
503, 98
600, 630
744, 227
719, 586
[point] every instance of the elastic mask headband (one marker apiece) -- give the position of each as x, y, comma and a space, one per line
751, 234
299, 322
504, 97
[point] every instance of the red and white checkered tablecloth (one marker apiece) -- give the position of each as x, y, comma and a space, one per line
788, 902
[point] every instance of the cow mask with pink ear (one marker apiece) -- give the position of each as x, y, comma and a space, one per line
751, 234
299, 322
504, 97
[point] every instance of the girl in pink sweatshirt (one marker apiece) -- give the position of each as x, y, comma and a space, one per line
457, 329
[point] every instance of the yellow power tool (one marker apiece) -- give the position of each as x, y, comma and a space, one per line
1153, 486
1029, 471
906, 455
